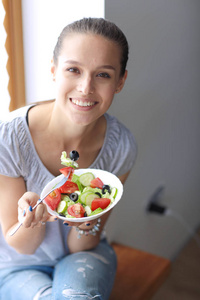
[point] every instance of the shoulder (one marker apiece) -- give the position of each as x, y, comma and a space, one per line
16, 114
13, 141
13, 126
119, 151
119, 133
39, 115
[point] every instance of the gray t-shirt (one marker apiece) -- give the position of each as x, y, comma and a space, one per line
18, 157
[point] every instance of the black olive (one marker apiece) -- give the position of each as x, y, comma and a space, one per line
61, 214
73, 197
106, 188
98, 194
85, 214
74, 155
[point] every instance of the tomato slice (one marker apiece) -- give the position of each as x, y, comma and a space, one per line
53, 199
76, 210
100, 202
68, 188
96, 183
65, 171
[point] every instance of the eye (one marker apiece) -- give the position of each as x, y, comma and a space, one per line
103, 75
73, 70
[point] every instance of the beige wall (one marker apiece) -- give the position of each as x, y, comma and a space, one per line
161, 106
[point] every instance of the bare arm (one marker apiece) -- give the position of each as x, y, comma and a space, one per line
90, 241
13, 192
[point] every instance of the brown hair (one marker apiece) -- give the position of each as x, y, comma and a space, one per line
97, 26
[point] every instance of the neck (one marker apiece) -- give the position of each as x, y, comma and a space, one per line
53, 133
77, 135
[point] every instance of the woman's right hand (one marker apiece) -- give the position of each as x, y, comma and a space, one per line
32, 218
14, 201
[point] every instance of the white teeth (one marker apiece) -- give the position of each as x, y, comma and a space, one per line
82, 103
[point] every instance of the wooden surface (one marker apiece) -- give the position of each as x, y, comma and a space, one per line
14, 48
183, 280
139, 274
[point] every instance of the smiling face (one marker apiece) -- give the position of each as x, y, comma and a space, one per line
87, 76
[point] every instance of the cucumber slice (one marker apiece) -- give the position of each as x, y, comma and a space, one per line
114, 192
92, 190
86, 178
65, 198
83, 196
62, 207
106, 195
88, 210
89, 198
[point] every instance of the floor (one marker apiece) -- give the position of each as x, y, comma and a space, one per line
183, 282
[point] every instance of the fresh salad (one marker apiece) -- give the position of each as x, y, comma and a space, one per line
81, 196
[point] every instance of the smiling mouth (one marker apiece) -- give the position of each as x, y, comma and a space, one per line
83, 103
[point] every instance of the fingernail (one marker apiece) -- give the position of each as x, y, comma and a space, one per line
30, 208
88, 224
66, 224
24, 212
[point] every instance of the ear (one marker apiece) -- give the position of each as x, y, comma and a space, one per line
53, 69
121, 82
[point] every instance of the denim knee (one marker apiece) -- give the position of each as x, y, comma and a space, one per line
69, 294
85, 275
44, 293
27, 284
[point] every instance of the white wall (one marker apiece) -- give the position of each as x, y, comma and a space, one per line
4, 78
43, 21
160, 104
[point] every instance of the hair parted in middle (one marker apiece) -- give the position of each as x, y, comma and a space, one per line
96, 26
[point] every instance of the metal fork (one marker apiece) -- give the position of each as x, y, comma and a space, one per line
58, 185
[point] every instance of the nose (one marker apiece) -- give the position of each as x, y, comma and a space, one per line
86, 85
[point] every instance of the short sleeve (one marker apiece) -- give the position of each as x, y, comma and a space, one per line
126, 151
119, 151
10, 160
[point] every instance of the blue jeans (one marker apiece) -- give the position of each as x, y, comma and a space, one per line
84, 275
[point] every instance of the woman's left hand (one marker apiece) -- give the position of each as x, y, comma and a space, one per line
82, 225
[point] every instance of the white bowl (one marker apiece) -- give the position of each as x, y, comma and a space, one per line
106, 177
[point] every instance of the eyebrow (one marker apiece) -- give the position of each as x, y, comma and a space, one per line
100, 67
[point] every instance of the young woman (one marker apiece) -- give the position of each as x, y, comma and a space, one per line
44, 259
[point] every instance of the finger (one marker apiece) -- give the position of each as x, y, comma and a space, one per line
39, 213
46, 219
46, 216
52, 218
68, 223
21, 214
88, 225
28, 199
28, 218
39, 224
81, 225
